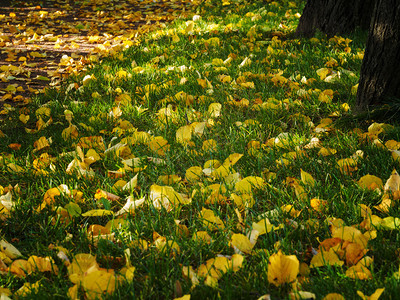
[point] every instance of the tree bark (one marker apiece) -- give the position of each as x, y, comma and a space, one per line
380, 73
334, 17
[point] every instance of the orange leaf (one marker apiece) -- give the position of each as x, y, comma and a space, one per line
15, 146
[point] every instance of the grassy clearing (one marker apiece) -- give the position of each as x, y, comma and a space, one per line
229, 125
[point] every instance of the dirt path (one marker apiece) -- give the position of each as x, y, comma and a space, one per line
41, 45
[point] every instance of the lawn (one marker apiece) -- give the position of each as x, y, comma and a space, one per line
215, 156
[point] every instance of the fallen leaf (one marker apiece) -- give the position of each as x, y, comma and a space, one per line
282, 268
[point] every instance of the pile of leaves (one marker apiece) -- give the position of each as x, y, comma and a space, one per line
203, 158
41, 45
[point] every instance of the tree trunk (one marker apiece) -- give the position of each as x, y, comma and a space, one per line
334, 17
380, 73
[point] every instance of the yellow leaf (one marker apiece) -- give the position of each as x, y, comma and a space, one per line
188, 272
390, 223
87, 79
221, 264
43, 264
175, 38
210, 220
347, 165
202, 237
96, 283
123, 99
189, 26
392, 145
24, 118
365, 211
20, 267
159, 145
237, 261
298, 295
221, 172
350, 234
326, 96
282, 268
169, 179
246, 62
98, 213
370, 182
263, 226
322, 73
243, 201
282, 140
184, 134
393, 183
41, 143
167, 197
211, 282
193, 174
91, 157
184, 297
241, 243
9, 250
15, 168
209, 145
71, 132
318, 204
288, 208
325, 258
374, 296
376, 128
27, 289
359, 272
247, 184
215, 110
130, 273
307, 178
130, 205
202, 82
49, 196
327, 151
41, 77
300, 192
333, 296
395, 155
198, 128
81, 265
95, 142
6, 292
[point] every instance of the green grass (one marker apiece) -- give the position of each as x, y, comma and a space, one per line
264, 35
